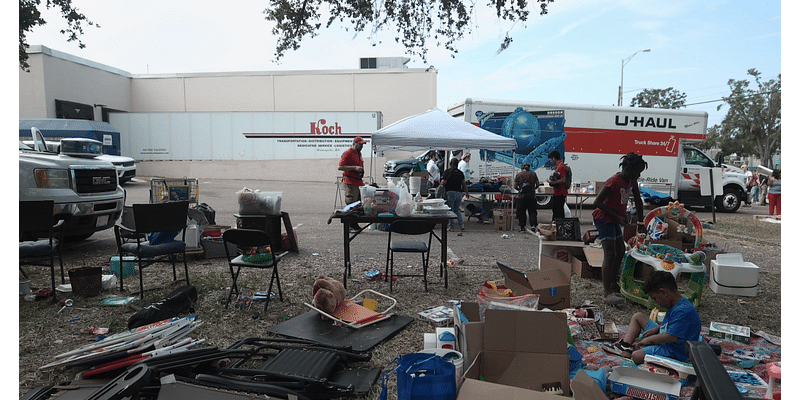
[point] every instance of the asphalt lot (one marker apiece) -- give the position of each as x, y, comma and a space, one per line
309, 205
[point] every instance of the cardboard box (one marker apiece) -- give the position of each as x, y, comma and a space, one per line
469, 335
523, 349
609, 331
729, 274
590, 236
643, 384
729, 332
502, 221
551, 282
477, 390
546, 189
586, 261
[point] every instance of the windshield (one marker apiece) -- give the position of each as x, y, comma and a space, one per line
23, 146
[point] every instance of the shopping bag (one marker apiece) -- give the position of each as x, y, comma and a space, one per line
422, 376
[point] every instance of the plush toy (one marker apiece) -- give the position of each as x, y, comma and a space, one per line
328, 293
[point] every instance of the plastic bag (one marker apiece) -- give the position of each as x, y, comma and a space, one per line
405, 203
657, 229
258, 202
494, 296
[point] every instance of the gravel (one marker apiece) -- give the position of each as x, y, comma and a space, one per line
44, 333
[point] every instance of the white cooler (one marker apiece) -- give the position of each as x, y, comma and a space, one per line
730, 274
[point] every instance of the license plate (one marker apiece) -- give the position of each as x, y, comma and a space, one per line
102, 221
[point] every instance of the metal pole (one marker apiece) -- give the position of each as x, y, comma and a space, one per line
621, 74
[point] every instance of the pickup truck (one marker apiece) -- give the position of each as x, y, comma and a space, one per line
403, 167
85, 190
126, 166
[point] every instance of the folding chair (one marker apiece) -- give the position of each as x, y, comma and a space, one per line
36, 219
250, 238
409, 228
153, 218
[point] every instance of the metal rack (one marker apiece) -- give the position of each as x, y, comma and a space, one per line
163, 190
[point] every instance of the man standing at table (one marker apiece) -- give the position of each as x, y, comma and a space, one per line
558, 182
352, 166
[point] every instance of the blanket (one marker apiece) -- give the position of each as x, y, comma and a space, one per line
594, 356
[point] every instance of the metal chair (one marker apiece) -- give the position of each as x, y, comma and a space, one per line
252, 238
149, 219
36, 220
409, 228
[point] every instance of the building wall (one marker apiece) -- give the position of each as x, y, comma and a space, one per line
395, 92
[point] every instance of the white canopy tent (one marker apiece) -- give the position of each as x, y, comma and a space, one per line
435, 129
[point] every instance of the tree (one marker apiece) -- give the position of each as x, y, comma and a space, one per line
752, 125
30, 17
659, 98
414, 21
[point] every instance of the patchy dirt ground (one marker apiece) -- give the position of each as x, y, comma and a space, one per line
44, 333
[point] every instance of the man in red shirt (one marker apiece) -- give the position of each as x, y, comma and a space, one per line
352, 166
558, 184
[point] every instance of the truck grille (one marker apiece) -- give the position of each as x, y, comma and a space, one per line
95, 180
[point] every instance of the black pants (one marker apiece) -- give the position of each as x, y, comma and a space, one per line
527, 204
558, 206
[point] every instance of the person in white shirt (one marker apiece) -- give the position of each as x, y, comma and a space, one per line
433, 170
463, 166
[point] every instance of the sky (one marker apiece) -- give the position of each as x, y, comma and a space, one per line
571, 55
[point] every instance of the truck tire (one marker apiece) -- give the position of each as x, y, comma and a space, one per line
730, 200
543, 202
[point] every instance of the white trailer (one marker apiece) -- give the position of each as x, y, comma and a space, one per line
592, 139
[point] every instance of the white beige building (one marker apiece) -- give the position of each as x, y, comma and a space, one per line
61, 85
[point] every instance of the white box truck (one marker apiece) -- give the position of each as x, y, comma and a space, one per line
592, 139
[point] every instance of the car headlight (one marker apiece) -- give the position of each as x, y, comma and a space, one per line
51, 178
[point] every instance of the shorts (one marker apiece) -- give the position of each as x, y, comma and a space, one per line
607, 230
663, 350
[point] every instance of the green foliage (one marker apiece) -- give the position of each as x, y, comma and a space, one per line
752, 125
414, 21
30, 17
659, 98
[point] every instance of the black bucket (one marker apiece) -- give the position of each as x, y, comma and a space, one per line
86, 281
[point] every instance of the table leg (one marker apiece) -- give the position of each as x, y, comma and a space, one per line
346, 226
443, 264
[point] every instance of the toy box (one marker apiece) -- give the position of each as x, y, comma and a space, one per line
729, 332
731, 275
644, 385
128, 266
437, 316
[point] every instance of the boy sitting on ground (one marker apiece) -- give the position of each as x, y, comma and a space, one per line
681, 323
478, 212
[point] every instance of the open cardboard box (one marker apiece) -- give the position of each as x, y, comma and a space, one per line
586, 261
522, 349
551, 282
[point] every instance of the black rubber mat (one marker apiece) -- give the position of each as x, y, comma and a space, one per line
310, 326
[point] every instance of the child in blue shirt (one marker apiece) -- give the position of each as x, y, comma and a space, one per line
681, 323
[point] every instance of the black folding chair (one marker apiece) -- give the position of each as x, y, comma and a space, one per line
409, 228
153, 218
36, 220
252, 238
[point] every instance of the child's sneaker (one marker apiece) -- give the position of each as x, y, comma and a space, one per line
619, 348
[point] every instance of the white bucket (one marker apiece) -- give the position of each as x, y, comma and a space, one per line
414, 183
458, 361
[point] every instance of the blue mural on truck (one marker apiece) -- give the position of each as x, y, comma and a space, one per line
537, 133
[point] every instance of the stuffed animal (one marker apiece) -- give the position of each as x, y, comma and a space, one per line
328, 293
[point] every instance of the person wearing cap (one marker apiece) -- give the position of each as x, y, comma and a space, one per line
526, 183
352, 166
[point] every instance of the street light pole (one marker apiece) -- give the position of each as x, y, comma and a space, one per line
622, 72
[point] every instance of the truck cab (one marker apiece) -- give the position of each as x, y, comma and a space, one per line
691, 162
85, 190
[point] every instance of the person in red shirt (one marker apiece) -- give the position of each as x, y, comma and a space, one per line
610, 214
558, 182
352, 166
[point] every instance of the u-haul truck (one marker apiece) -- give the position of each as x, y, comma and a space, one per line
592, 139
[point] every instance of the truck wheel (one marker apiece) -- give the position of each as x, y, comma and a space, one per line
544, 201
730, 200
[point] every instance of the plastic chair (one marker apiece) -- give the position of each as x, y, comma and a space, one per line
36, 219
410, 228
249, 238
148, 219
